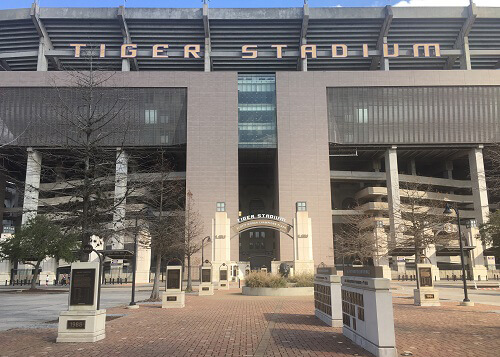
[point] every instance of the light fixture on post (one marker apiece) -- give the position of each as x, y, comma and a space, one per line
448, 210
207, 238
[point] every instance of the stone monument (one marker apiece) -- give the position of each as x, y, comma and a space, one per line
223, 278
425, 295
84, 321
327, 302
367, 311
206, 286
173, 297
302, 241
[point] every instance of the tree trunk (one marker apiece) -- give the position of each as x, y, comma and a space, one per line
417, 260
189, 286
35, 275
155, 293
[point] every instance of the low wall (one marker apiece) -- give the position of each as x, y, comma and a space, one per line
305, 291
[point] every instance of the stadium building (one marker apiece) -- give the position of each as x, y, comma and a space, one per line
284, 123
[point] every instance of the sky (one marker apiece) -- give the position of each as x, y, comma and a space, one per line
12, 4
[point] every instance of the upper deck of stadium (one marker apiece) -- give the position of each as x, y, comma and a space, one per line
469, 37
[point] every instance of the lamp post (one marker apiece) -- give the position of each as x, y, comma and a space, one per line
132, 304
447, 210
207, 238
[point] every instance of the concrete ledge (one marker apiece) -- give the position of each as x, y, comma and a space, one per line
305, 291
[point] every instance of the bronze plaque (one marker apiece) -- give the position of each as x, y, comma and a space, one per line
82, 287
429, 296
205, 275
425, 275
365, 272
326, 270
75, 324
173, 279
223, 275
171, 298
206, 288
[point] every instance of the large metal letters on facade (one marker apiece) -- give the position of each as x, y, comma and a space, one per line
339, 50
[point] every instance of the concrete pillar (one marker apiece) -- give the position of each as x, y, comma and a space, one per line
5, 265
303, 243
412, 167
207, 59
380, 257
477, 262
125, 65
393, 198
120, 198
221, 242
465, 63
479, 190
32, 185
449, 169
143, 258
384, 61
42, 62
303, 61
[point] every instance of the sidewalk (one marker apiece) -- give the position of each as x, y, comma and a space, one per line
229, 324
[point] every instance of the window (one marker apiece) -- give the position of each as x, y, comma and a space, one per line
221, 207
150, 116
301, 206
164, 139
362, 115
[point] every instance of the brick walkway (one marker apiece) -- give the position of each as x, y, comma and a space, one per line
229, 324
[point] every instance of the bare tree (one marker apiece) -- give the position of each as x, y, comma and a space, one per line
88, 123
422, 222
163, 196
355, 240
192, 234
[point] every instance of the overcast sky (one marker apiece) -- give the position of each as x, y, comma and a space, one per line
12, 4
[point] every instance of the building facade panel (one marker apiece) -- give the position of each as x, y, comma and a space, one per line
413, 115
303, 162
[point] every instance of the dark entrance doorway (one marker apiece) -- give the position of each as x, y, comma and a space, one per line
258, 194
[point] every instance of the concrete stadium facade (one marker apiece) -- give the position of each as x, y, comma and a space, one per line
300, 114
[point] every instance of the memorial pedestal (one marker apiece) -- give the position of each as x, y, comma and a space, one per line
426, 297
367, 311
206, 289
81, 326
223, 285
206, 285
83, 322
327, 298
173, 299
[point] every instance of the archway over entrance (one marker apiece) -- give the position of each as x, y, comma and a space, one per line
259, 237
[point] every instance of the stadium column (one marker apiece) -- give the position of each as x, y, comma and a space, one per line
393, 197
120, 198
479, 190
208, 42
32, 185
30, 205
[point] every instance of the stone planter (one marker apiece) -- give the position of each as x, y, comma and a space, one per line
305, 291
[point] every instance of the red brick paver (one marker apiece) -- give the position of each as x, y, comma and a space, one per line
229, 324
